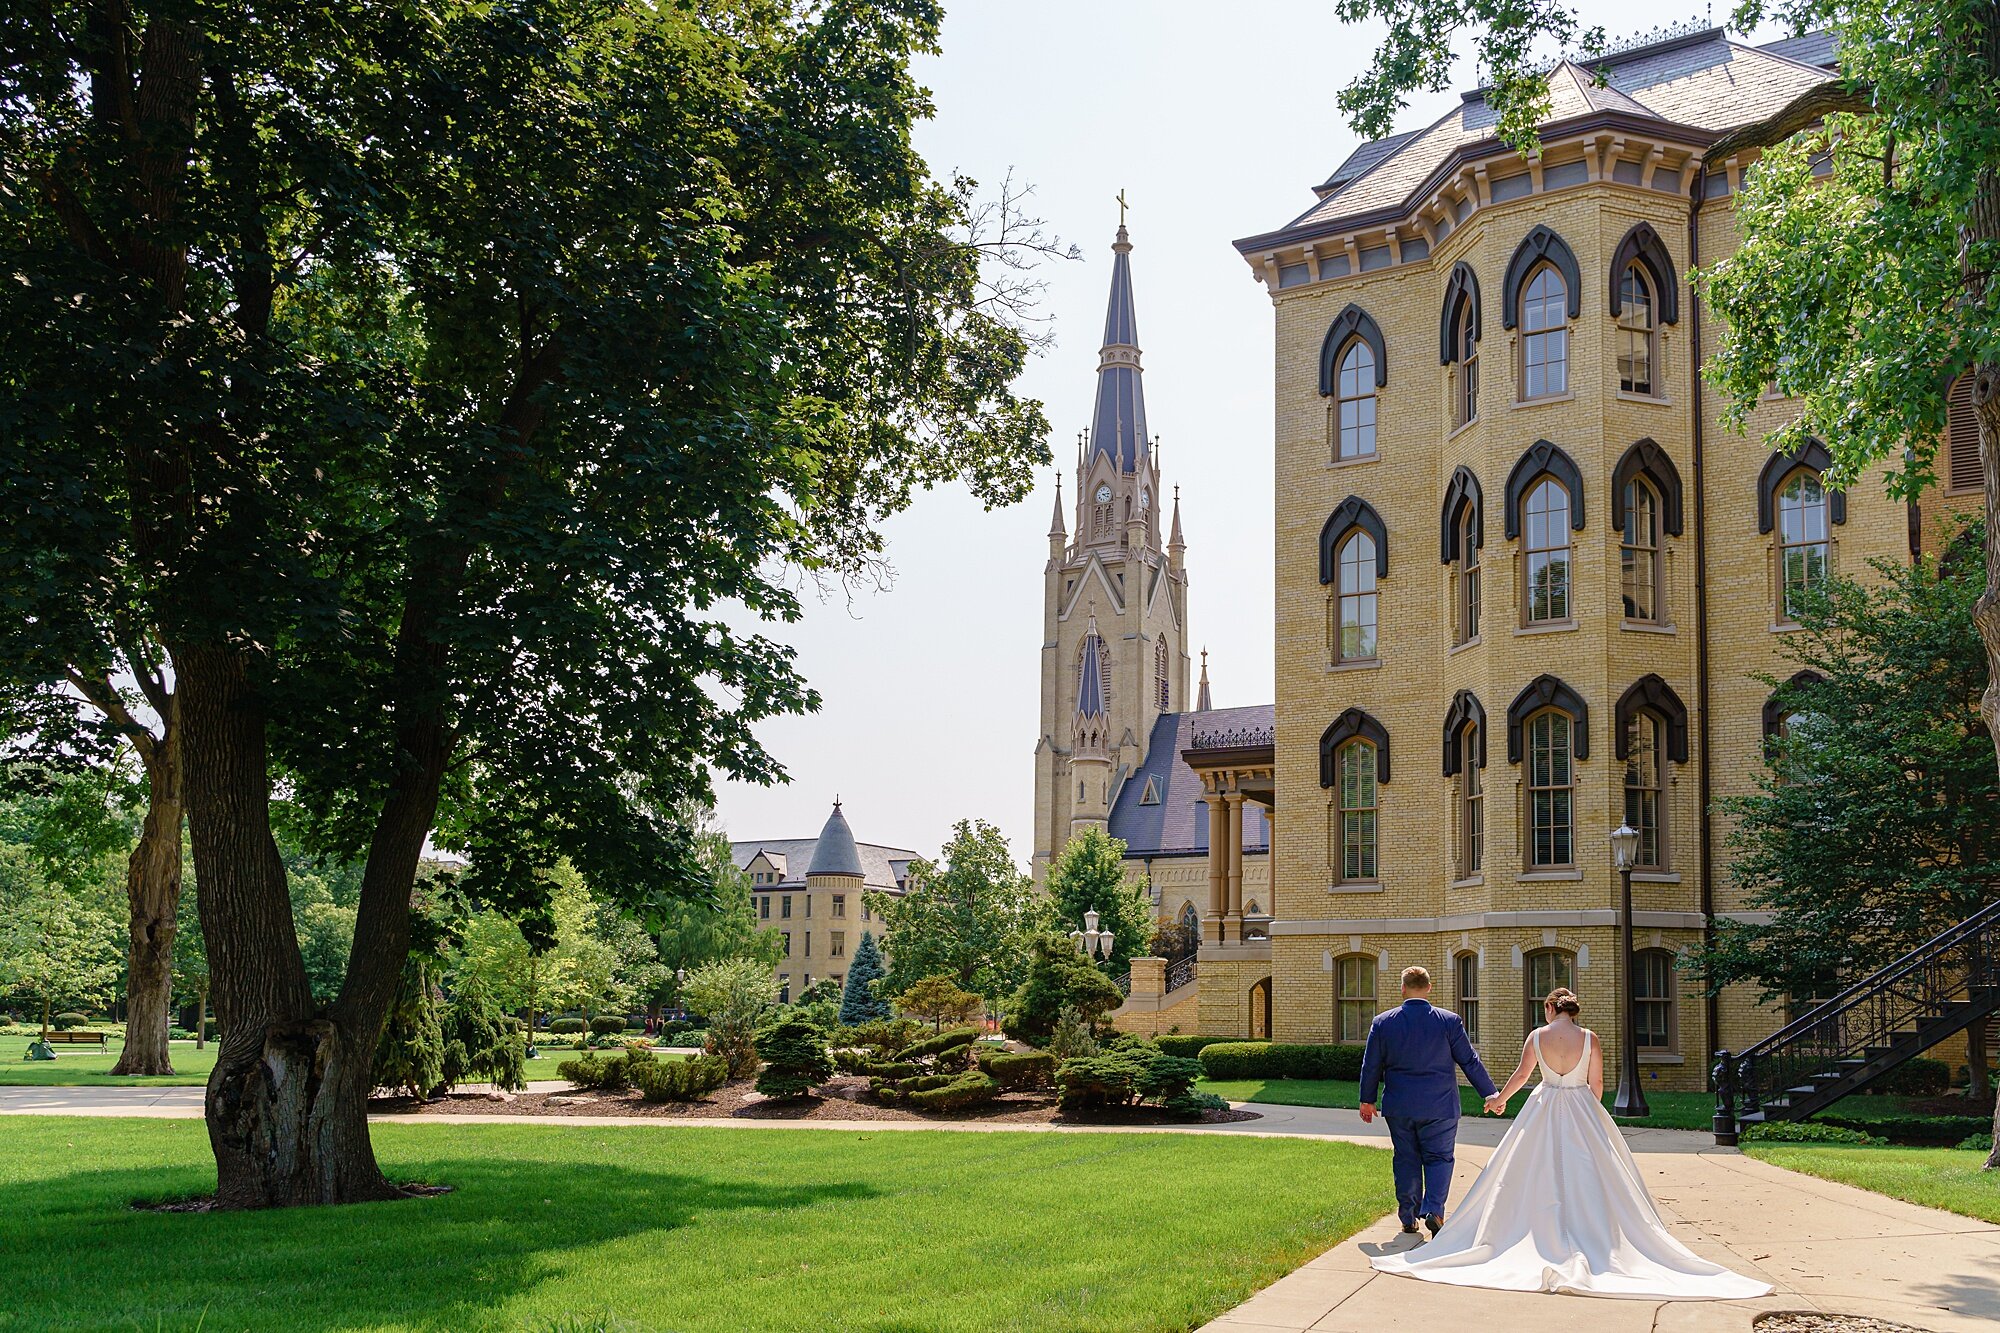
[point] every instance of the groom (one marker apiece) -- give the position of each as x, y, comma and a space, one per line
1412, 1049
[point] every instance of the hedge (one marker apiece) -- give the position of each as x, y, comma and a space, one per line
971, 1088
564, 1026
1184, 1046
1035, 1069
939, 1045
1803, 1131
1262, 1059
684, 1080
1913, 1130
1919, 1077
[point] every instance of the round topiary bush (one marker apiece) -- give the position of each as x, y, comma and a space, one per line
607, 1025
566, 1026
64, 1022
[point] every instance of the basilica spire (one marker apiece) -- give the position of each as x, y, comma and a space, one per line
1118, 427
1203, 703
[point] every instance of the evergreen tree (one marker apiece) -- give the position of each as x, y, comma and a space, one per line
858, 1001
1089, 875
1058, 978
969, 916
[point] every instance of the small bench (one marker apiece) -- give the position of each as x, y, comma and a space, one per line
77, 1039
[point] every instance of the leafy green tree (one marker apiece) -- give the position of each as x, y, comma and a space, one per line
1089, 874
733, 996
427, 384
1059, 978
860, 1002
191, 979
938, 1001
1875, 826
969, 917
56, 946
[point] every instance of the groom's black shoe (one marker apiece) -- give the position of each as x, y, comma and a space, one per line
1409, 1228
1435, 1221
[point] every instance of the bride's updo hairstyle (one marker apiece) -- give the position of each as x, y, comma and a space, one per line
1563, 1000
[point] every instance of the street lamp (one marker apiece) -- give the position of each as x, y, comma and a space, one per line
1630, 1101
1090, 941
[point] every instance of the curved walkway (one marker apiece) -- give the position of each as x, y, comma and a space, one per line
1823, 1245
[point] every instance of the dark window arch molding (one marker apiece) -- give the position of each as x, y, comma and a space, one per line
1650, 694
1537, 245
1465, 710
1353, 512
1543, 458
1459, 493
1463, 283
1352, 725
1777, 706
1647, 459
1548, 692
1353, 322
1812, 454
1643, 244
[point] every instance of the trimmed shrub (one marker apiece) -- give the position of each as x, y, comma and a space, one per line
1057, 976
607, 1025
944, 1048
1236, 1060
892, 1071
64, 1022
970, 1088
604, 1073
1931, 1131
1803, 1131
883, 1036
795, 1060
1263, 1059
1185, 1046
892, 1090
1097, 1082
1018, 1073
1920, 1077
1072, 1037
1166, 1078
563, 1027
687, 1079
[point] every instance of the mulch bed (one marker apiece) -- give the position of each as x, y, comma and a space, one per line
842, 1099
1801, 1321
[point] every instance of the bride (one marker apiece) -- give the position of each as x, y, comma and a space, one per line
1560, 1206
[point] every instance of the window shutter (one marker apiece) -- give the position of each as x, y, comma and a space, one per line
1962, 471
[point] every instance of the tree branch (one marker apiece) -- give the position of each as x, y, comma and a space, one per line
104, 697
1808, 108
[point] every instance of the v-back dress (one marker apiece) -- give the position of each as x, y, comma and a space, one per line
1561, 1207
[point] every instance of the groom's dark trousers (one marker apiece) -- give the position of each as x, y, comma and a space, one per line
1414, 1051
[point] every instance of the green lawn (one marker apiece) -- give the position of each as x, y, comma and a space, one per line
1935, 1177
646, 1227
85, 1066
1671, 1110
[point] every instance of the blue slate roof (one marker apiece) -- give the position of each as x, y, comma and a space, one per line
1820, 48
1090, 676
1179, 823
1118, 426
835, 854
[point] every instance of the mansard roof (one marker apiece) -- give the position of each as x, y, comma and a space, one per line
1176, 825
881, 867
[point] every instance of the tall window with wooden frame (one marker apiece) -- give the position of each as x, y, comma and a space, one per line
1639, 554
1653, 1000
1466, 612
1638, 331
1471, 804
1804, 546
1354, 997
1551, 839
1645, 804
1544, 334
1465, 354
1356, 824
1545, 970
1354, 638
1354, 403
1546, 570
1465, 971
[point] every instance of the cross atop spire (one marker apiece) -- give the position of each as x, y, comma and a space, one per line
1118, 426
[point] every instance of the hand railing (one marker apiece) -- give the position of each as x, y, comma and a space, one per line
1180, 974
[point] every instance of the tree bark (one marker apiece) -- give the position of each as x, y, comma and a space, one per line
153, 896
201, 1017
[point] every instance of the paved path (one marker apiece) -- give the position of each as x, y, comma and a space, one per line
1823, 1245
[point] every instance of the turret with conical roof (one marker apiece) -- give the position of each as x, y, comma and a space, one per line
835, 855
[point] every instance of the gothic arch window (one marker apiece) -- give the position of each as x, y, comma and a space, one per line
1543, 459
1784, 707
1647, 460
1350, 324
1546, 691
1356, 602
1643, 248
1551, 786
1638, 331
1461, 533
1352, 830
1639, 737
1805, 545
1458, 340
1161, 689
1546, 570
1639, 553
1465, 712
1346, 727
1465, 762
1352, 419
1353, 512
1190, 922
1542, 295
1778, 469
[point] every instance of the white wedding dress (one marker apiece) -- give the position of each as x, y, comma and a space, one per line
1561, 1207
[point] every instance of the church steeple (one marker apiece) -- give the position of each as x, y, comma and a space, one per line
1118, 426
1203, 703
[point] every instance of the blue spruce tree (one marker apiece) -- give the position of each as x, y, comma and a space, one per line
858, 1001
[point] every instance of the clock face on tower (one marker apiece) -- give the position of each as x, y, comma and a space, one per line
1145, 498
1104, 492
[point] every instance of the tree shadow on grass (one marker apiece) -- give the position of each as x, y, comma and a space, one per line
86, 1259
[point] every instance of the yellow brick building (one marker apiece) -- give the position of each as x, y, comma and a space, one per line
1526, 582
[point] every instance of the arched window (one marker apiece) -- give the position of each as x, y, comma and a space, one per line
1161, 697
1471, 802
1355, 636
1803, 542
1465, 615
1190, 925
1639, 553
1637, 329
1354, 997
1544, 334
1465, 971
1461, 532
1551, 791
1544, 970
1458, 340
1645, 808
1547, 569
1653, 1000
1354, 402
1355, 826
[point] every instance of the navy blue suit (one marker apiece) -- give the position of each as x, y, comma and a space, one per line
1413, 1050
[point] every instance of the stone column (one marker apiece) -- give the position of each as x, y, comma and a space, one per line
1218, 890
1235, 821
1271, 861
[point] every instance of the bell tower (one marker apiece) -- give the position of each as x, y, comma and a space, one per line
1114, 613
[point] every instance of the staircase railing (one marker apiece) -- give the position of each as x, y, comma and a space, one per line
1180, 974
1861, 1033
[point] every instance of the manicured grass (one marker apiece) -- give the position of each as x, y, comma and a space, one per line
645, 1227
86, 1066
1671, 1110
1935, 1177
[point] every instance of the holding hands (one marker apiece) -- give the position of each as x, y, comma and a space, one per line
1495, 1104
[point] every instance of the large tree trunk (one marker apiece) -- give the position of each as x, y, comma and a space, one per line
153, 896
287, 1103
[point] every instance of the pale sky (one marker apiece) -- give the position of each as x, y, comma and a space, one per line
1216, 121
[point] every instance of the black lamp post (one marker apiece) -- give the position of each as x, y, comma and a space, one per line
1630, 1101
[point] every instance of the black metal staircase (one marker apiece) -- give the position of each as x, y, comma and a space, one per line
1843, 1045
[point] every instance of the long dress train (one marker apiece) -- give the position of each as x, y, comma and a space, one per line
1561, 1207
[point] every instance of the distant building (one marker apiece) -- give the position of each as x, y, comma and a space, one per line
810, 891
